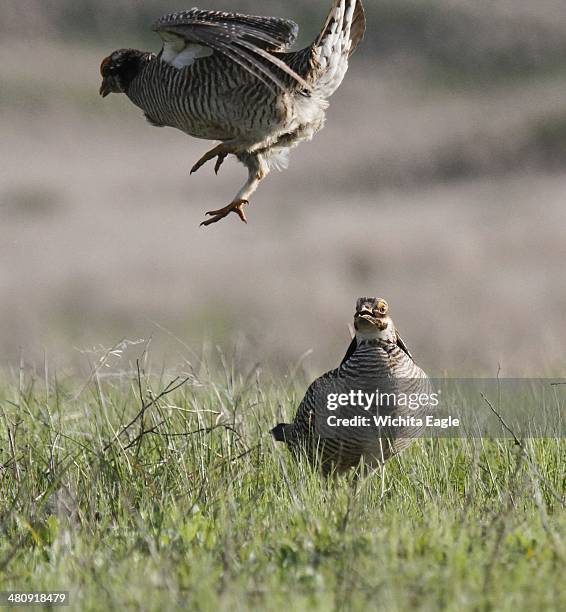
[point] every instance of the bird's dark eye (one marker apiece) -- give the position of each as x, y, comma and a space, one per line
382, 307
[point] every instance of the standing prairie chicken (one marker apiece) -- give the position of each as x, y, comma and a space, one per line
230, 77
377, 361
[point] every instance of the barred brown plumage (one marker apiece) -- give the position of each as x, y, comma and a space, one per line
377, 360
231, 77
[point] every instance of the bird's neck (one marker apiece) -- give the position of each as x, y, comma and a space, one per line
144, 58
371, 344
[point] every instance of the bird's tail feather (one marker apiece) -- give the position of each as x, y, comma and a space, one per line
278, 159
340, 36
278, 432
344, 28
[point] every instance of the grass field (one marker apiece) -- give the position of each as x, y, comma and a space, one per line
141, 492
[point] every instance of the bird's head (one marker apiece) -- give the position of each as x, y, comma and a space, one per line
372, 320
119, 69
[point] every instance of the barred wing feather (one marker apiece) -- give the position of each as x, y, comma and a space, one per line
247, 40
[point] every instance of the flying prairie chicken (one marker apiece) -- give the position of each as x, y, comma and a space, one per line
231, 78
375, 378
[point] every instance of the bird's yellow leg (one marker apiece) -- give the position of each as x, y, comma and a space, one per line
221, 151
257, 171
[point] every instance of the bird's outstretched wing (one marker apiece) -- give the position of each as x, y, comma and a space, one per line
246, 40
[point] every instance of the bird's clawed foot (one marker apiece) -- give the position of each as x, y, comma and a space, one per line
237, 206
221, 152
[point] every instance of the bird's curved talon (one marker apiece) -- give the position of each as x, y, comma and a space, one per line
219, 162
198, 165
217, 215
219, 152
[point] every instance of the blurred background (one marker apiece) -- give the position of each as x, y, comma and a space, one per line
438, 183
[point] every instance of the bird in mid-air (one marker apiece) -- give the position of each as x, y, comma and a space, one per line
376, 361
231, 78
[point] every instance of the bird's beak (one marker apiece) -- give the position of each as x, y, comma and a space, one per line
105, 88
365, 313
365, 316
